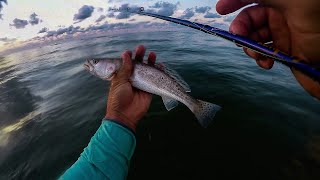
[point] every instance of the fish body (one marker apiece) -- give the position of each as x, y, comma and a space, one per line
155, 81
159, 80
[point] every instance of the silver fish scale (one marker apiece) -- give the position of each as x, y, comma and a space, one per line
157, 82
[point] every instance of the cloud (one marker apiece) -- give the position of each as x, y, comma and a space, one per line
72, 31
121, 25
100, 9
84, 12
1, 6
68, 30
19, 23
229, 18
164, 8
187, 14
150, 11
43, 30
102, 17
125, 11
203, 9
123, 15
113, 1
7, 40
112, 26
211, 15
110, 15
98, 27
34, 19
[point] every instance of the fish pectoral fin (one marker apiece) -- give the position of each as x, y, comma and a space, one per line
169, 103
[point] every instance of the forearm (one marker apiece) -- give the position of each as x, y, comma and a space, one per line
107, 156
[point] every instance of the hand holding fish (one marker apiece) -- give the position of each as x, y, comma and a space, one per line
127, 104
292, 26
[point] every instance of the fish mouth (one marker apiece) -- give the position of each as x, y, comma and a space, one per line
87, 65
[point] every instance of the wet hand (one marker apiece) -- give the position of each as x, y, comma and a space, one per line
127, 104
292, 25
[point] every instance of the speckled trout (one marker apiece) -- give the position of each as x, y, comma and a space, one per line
157, 79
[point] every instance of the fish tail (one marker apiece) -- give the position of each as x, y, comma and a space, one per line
205, 112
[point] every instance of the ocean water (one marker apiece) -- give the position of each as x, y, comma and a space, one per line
50, 107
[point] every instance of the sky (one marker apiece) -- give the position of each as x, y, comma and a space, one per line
26, 20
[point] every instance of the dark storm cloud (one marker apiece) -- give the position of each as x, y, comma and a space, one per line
187, 14
34, 19
211, 15
165, 8
19, 23
43, 30
102, 17
7, 40
203, 9
83, 13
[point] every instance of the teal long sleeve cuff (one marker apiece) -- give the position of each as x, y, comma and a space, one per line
107, 155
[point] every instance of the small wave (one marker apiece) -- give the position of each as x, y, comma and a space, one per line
53, 51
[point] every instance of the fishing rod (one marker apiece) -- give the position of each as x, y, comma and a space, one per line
264, 49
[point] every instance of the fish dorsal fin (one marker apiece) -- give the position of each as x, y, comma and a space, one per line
174, 74
169, 103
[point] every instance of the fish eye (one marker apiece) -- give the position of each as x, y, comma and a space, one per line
95, 61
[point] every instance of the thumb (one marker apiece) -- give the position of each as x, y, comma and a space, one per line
125, 71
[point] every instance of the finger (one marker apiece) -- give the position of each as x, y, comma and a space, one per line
126, 69
152, 58
228, 6
140, 51
261, 35
129, 53
261, 60
249, 20
265, 62
252, 22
